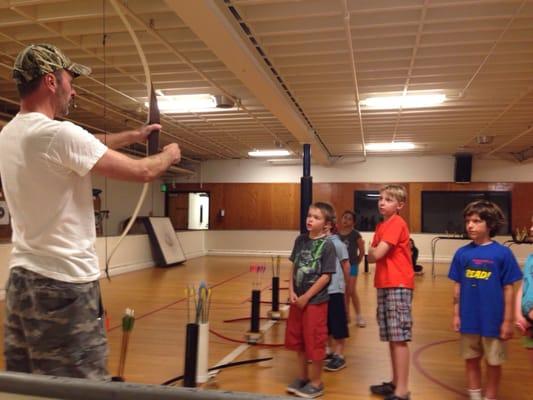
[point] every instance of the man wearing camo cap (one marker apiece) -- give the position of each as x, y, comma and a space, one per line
53, 321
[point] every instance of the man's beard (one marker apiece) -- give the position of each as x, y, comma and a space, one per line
64, 107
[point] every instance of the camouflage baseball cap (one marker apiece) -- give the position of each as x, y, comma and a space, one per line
39, 59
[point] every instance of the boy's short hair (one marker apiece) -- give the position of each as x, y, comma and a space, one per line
488, 212
327, 210
396, 191
349, 212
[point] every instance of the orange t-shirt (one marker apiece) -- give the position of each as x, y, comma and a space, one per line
395, 269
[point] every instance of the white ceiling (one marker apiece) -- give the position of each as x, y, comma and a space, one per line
296, 69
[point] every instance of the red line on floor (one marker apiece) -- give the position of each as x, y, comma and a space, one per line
422, 370
177, 301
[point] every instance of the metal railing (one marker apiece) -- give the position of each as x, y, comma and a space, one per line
51, 387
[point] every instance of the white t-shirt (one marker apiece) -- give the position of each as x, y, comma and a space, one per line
44, 167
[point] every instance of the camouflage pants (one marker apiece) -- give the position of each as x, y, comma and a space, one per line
54, 327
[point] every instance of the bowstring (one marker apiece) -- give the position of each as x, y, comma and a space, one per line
104, 43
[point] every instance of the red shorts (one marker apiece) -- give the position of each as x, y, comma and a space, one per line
307, 330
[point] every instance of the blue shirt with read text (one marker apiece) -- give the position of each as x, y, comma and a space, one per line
483, 271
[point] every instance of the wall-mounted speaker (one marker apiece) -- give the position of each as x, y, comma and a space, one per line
463, 168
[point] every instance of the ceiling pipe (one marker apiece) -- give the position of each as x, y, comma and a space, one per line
348, 31
219, 32
508, 142
476, 73
496, 42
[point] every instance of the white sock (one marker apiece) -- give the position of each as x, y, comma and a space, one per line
475, 394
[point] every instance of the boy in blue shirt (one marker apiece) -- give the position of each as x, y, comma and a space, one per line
484, 272
337, 314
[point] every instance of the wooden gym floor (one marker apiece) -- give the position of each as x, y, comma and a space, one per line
157, 343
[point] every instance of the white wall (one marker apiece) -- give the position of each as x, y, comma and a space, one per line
375, 169
502, 171
134, 253
250, 243
121, 197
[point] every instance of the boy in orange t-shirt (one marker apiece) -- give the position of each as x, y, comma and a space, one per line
394, 280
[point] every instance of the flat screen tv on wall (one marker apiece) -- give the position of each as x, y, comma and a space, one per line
442, 211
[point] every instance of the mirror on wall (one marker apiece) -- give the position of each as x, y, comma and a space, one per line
188, 210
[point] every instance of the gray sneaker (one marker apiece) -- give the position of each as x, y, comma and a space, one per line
335, 364
297, 384
309, 391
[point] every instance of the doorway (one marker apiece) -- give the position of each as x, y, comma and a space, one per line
189, 210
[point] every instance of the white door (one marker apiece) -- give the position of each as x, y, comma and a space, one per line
198, 211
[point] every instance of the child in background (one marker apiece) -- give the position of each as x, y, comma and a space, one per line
313, 257
394, 281
524, 303
337, 322
484, 272
356, 250
419, 270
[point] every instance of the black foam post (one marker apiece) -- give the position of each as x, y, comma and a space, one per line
153, 117
306, 188
275, 293
191, 355
307, 160
256, 304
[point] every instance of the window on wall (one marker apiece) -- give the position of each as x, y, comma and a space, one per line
366, 209
442, 211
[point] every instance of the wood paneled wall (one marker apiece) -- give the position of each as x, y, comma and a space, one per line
276, 205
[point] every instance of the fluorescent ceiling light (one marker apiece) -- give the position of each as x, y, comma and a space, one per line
186, 103
392, 146
269, 153
285, 161
408, 101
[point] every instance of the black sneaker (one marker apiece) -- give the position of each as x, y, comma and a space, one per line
335, 364
385, 389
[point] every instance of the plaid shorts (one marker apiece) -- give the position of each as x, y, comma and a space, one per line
394, 314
